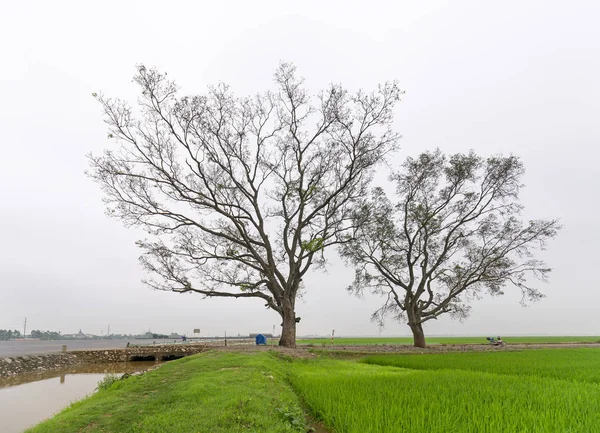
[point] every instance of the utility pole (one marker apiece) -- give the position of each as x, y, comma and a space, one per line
25, 328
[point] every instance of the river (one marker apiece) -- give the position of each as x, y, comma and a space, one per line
37, 347
27, 399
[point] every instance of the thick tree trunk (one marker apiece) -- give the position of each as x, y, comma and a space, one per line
288, 330
418, 334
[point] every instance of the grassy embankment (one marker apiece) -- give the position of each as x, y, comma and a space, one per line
214, 392
448, 340
529, 391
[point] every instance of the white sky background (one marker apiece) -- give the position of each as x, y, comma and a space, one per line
513, 77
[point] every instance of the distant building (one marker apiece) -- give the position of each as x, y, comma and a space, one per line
266, 334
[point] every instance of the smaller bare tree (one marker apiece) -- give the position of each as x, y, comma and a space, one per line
453, 232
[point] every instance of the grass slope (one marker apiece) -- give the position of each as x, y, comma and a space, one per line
213, 392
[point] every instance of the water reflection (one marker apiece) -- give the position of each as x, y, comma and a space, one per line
118, 367
28, 399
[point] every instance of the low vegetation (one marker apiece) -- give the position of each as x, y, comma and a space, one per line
108, 381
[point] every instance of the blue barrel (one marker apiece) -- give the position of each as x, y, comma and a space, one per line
261, 339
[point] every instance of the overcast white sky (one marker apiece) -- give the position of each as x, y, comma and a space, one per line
513, 77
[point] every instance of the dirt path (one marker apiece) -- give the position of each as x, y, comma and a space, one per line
443, 348
307, 351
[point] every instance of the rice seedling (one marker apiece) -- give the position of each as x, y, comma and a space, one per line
354, 398
582, 364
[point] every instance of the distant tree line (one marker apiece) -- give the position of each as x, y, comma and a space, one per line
46, 335
157, 336
7, 334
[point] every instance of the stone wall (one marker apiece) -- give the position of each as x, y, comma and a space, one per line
39, 363
36, 363
146, 353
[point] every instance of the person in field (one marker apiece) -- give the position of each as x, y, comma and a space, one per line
495, 341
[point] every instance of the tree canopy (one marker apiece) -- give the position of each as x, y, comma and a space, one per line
46, 335
452, 231
7, 334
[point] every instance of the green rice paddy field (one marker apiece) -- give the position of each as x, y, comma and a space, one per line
529, 391
549, 390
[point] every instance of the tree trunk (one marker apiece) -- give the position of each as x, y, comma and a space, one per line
418, 334
288, 330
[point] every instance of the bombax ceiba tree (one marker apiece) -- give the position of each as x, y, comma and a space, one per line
241, 196
452, 232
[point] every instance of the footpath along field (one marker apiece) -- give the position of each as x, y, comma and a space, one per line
553, 390
447, 340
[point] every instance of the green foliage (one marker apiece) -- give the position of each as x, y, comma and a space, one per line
7, 334
46, 335
245, 287
294, 416
108, 381
313, 245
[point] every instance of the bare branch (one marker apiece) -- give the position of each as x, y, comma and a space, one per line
241, 196
454, 231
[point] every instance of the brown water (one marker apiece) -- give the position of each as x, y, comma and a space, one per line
27, 399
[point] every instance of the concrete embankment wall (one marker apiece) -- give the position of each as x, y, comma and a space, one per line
39, 363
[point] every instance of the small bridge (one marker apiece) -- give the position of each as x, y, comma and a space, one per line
167, 352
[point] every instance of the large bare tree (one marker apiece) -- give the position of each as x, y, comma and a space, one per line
453, 231
241, 196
